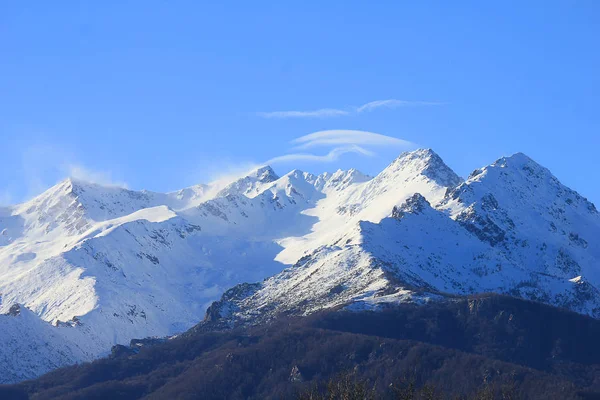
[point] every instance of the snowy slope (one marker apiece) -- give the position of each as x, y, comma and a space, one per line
421, 171
32, 347
101, 265
116, 264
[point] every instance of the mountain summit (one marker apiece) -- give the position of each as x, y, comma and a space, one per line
426, 162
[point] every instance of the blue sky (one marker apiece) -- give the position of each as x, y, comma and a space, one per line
162, 95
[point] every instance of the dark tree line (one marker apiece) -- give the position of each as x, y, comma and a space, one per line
477, 348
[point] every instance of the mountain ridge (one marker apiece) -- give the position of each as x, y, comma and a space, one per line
116, 264
466, 215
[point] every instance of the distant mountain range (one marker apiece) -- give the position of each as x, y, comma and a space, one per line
84, 267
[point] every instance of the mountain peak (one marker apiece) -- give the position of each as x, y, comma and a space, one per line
518, 160
425, 152
250, 184
516, 164
520, 155
264, 174
296, 173
66, 187
341, 179
76, 185
426, 162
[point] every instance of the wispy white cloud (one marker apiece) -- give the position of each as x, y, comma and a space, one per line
332, 155
337, 112
336, 143
78, 171
322, 113
340, 142
348, 137
393, 103
43, 164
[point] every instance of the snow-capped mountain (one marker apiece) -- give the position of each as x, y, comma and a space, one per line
511, 227
93, 266
107, 265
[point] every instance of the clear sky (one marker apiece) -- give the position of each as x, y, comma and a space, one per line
162, 95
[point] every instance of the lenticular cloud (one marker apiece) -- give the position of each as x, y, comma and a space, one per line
348, 137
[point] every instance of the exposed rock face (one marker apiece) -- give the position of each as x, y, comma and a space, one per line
481, 226
118, 351
15, 310
295, 375
220, 309
414, 205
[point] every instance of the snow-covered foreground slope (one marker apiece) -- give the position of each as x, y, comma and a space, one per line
31, 346
101, 265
